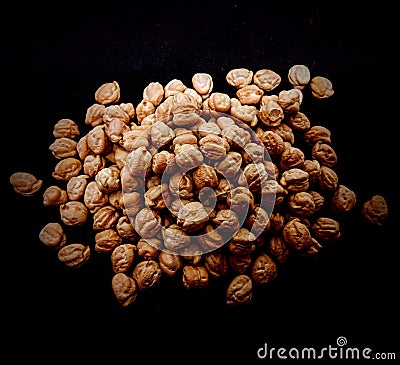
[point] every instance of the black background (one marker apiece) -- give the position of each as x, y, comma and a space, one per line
53, 60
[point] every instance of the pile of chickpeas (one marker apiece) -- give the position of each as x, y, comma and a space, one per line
196, 184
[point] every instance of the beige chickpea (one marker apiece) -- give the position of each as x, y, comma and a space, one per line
291, 157
82, 148
93, 197
108, 93
147, 223
270, 112
326, 229
66, 128
295, 180
161, 134
125, 229
115, 129
157, 197
63, 147
239, 77
161, 160
52, 235
138, 162
183, 103
164, 109
124, 288
299, 122
227, 222
170, 264
216, 264
220, 102
240, 199
195, 276
98, 141
239, 291
317, 133
230, 165
328, 179
147, 251
214, 147
122, 257
67, 168
133, 202
182, 185
76, 187
174, 86
202, 83
106, 217
192, 217
144, 109
113, 112
245, 113
266, 79
175, 238
299, 76
290, 100
205, 176
196, 96
154, 93
264, 269
107, 240
296, 234
94, 114
54, 196
129, 109
273, 143
108, 179
278, 249
146, 274
236, 136
92, 164
188, 156
74, 255
183, 136
343, 199
321, 87
73, 213
249, 94
242, 242
115, 199
135, 138
207, 128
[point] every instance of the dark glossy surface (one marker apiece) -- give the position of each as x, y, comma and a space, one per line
52, 64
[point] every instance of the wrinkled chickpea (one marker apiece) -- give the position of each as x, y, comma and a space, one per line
73, 213
52, 235
299, 76
321, 87
239, 291
376, 210
108, 93
66, 128
195, 276
124, 288
54, 196
25, 184
122, 257
146, 274
74, 255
